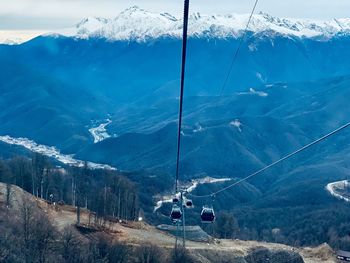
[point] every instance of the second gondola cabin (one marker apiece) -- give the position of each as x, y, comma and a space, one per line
207, 215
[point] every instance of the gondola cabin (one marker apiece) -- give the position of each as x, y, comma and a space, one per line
176, 213
189, 203
207, 215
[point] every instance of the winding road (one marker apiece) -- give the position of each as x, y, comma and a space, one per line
335, 188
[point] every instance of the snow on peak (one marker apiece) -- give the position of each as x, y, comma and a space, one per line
91, 25
138, 24
16, 37
12, 41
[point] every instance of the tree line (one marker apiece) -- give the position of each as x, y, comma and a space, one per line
105, 192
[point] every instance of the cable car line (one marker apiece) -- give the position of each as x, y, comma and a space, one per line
182, 85
183, 67
276, 162
178, 212
234, 59
208, 215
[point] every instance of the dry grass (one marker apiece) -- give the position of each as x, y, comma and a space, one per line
139, 233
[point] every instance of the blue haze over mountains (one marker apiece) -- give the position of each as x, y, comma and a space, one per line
53, 87
285, 91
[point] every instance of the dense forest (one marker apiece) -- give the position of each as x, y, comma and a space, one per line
330, 225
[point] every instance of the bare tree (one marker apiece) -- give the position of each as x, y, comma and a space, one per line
149, 253
35, 233
72, 246
180, 255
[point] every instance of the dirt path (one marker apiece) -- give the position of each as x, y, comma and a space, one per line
136, 233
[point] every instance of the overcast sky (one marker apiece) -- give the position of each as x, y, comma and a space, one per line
53, 14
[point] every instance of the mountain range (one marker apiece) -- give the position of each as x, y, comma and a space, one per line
138, 24
289, 86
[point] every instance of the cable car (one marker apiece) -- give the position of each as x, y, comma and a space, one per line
207, 215
189, 203
176, 213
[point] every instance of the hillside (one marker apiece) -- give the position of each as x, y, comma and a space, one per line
136, 234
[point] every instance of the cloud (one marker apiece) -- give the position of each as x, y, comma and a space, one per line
51, 14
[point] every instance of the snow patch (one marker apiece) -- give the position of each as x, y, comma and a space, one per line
254, 92
260, 77
51, 152
198, 128
100, 133
259, 93
236, 123
341, 185
253, 47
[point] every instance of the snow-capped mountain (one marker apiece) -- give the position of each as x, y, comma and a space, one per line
16, 37
13, 41
138, 24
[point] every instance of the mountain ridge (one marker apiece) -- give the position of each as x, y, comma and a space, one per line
138, 24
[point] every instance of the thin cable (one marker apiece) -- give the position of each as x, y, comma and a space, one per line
183, 67
234, 59
275, 163
238, 49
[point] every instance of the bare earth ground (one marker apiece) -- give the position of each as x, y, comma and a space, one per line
135, 233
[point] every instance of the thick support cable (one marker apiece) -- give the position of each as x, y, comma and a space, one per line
277, 162
182, 85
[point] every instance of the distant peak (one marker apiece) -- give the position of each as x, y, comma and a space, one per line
269, 17
133, 9
92, 19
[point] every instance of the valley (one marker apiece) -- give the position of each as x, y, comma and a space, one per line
51, 152
68, 95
